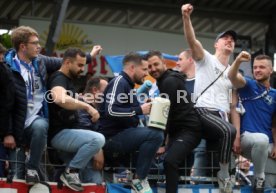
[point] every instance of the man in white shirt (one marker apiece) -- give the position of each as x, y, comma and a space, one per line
212, 92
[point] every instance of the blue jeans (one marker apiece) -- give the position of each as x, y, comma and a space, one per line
145, 140
200, 159
77, 147
35, 137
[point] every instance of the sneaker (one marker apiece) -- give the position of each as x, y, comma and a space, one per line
225, 184
71, 180
141, 186
259, 185
32, 176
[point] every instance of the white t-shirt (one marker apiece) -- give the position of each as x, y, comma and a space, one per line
217, 96
38, 95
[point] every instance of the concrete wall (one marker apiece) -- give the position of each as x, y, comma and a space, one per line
120, 40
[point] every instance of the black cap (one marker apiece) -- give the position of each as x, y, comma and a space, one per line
228, 32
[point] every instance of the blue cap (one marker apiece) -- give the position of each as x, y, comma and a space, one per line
228, 32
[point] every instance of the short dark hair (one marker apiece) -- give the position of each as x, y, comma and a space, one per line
262, 57
71, 53
152, 53
132, 57
93, 82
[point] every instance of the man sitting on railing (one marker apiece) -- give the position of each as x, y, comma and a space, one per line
77, 146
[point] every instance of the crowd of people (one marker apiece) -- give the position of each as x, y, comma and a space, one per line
40, 108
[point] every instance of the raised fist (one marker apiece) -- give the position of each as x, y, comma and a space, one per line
187, 9
243, 57
96, 50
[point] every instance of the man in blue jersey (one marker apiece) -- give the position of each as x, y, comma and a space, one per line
259, 102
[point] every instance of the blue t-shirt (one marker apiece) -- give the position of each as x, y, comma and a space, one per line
190, 83
260, 105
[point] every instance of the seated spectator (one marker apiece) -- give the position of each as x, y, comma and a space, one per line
77, 146
183, 127
212, 93
93, 94
186, 65
120, 118
259, 102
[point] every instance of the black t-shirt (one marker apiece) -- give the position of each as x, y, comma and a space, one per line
60, 118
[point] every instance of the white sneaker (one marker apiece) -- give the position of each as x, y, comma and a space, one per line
141, 186
225, 184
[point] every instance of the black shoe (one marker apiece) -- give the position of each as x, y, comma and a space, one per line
32, 176
259, 185
71, 180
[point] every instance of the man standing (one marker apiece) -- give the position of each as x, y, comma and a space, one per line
259, 102
6, 107
29, 119
77, 146
212, 88
120, 118
183, 126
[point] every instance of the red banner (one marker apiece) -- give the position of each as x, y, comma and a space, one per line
19, 186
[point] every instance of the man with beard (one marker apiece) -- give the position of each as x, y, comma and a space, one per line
120, 118
77, 146
183, 126
259, 101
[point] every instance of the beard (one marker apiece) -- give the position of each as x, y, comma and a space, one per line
74, 74
262, 78
138, 80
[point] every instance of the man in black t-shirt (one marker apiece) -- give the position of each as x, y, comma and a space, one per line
77, 146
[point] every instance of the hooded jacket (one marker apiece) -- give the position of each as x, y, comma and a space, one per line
43, 65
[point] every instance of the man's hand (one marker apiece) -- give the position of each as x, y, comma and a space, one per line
237, 145
161, 150
243, 57
273, 152
98, 160
93, 113
9, 142
146, 107
96, 50
187, 10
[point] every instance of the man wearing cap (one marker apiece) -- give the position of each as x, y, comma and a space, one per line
211, 93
